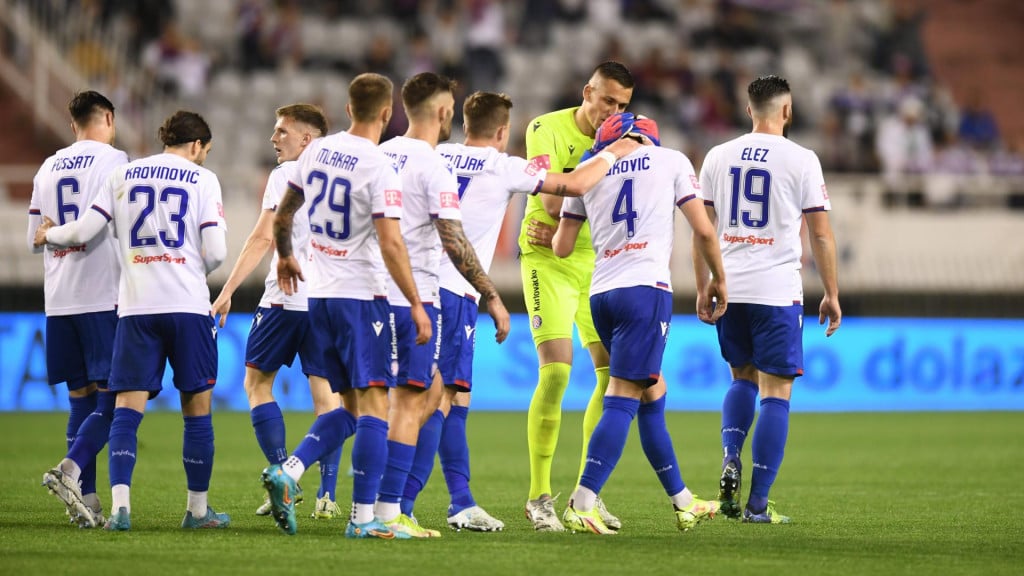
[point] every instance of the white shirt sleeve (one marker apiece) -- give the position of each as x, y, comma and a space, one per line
386, 192
444, 196
574, 208
814, 194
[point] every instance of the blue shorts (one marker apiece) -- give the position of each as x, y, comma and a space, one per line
633, 325
769, 337
354, 341
144, 344
459, 314
79, 348
276, 336
414, 364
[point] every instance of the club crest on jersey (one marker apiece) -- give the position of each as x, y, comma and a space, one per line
449, 199
536, 321
538, 163
377, 327
393, 198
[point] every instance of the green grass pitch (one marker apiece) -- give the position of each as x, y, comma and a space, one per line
892, 493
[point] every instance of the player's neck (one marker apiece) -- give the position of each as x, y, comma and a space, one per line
481, 142
370, 131
428, 132
768, 127
94, 134
580, 117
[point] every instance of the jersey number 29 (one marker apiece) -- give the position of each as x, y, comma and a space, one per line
337, 195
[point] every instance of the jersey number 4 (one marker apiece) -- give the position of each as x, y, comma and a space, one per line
176, 217
754, 186
624, 211
337, 196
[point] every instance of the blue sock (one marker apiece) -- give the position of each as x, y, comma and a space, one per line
769, 445
454, 452
608, 441
369, 456
197, 452
737, 415
268, 423
329, 473
396, 472
326, 435
657, 445
81, 408
423, 462
123, 445
92, 437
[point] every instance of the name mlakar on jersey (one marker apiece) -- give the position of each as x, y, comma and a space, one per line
337, 159
72, 163
631, 165
162, 173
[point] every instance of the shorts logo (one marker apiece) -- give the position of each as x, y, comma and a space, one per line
377, 327
469, 331
664, 329
536, 322
213, 332
394, 367
258, 319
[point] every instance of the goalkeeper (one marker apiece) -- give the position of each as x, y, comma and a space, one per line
557, 291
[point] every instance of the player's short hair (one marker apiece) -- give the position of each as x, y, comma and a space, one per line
764, 89
368, 94
485, 112
612, 70
85, 104
184, 127
305, 113
423, 87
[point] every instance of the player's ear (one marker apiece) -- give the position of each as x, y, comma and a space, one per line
750, 114
348, 111
787, 112
587, 91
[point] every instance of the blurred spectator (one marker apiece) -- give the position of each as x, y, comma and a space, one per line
284, 41
948, 178
177, 63
249, 28
977, 125
904, 147
380, 58
535, 23
447, 38
852, 107
484, 43
839, 149
901, 40
421, 57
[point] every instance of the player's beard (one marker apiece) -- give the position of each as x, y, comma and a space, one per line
785, 127
446, 130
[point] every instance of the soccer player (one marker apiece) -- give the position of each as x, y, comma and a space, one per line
355, 200
757, 188
487, 179
556, 290
431, 221
81, 298
630, 214
169, 220
280, 327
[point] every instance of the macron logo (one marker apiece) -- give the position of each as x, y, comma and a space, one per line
469, 331
664, 328
377, 327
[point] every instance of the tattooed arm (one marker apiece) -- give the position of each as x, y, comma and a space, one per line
462, 255
289, 273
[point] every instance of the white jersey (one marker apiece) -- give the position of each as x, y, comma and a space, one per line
631, 213
487, 179
159, 206
78, 279
429, 191
347, 183
760, 185
277, 184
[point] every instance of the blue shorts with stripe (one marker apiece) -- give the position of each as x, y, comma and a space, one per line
769, 337
79, 348
415, 364
276, 336
458, 322
146, 343
353, 338
633, 324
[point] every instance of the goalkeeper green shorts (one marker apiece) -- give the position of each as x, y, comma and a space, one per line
557, 295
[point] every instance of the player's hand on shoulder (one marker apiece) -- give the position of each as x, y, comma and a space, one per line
221, 307
289, 274
502, 319
40, 236
539, 233
829, 309
424, 328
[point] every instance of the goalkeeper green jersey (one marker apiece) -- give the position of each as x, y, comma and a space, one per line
556, 135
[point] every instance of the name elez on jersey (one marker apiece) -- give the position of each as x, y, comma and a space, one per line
337, 159
755, 154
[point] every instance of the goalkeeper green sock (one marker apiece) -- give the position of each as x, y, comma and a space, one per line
542, 424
